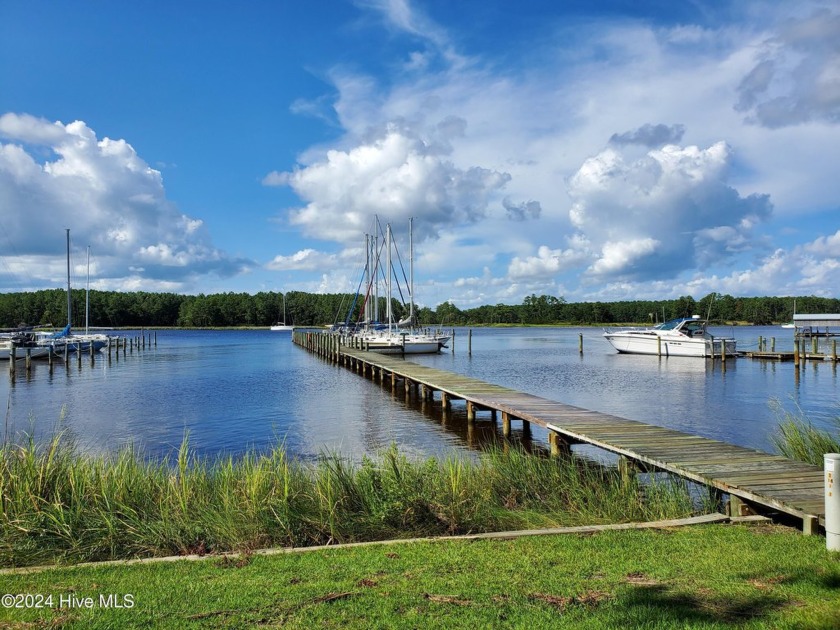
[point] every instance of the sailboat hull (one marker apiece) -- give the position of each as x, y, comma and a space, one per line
390, 343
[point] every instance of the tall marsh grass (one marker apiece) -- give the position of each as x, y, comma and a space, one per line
57, 505
797, 438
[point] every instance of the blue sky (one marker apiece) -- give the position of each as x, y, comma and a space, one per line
589, 150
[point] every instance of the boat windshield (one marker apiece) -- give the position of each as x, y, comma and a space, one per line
669, 325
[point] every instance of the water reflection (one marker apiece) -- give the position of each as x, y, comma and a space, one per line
237, 390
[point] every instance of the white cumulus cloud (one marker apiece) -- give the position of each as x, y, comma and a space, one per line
54, 176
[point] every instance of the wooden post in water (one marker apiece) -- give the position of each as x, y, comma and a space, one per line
796, 352
659, 346
12, 359
28, 360
79, 355
505, 424
772, 344
760, 343
469, 342
580, 344
453, 341
470, 412
50, 358
834, 350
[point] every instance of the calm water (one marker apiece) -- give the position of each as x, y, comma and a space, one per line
236, 390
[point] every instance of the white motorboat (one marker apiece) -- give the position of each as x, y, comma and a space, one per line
23, 343
683, 337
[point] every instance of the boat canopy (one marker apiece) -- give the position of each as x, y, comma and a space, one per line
824, 320
65, 332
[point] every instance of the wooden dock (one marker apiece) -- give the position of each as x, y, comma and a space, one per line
756, 482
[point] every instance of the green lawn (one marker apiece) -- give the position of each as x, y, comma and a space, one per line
711, 576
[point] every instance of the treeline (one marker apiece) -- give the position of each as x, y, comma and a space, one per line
141, 309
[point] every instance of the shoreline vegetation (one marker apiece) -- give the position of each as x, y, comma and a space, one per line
70, 507
112, 309
61, 506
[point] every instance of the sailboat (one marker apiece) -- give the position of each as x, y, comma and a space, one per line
65, 341
282, 326
398, 337
791, 324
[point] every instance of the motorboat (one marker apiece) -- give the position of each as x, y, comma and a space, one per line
682, 337
23, 342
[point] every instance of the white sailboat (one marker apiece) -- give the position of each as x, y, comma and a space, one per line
65, 341
402, 337
282, 326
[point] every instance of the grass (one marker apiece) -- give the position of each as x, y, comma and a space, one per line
799, 439
713, 576
60, 506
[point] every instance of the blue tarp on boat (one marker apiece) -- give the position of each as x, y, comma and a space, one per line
61, 333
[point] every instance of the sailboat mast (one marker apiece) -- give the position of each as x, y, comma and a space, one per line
367, 316
388, 271
87, 294
376, 272
411, 271
69, 300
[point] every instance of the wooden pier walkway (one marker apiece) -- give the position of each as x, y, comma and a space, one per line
756, 482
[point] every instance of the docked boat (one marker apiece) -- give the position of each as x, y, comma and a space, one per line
682, 337
396, 342
23, 342
390, 337
65, 341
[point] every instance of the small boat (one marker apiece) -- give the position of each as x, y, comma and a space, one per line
282, 326
789, 325
682, 337
22, 341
